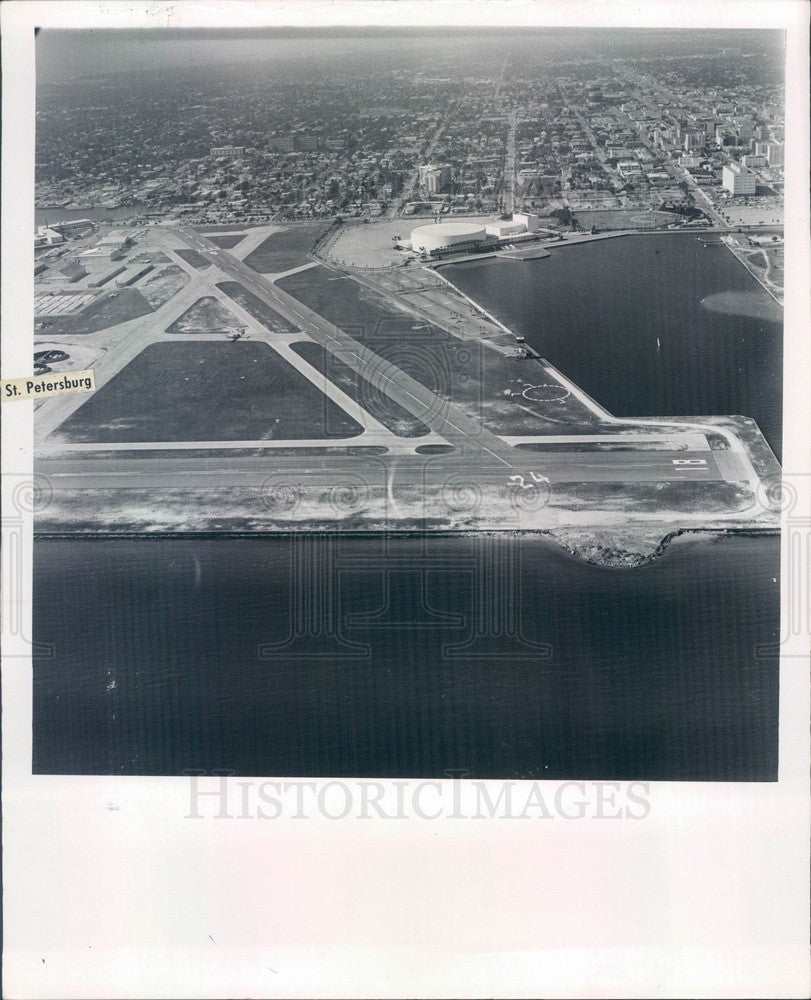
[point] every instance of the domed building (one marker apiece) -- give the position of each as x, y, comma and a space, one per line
440, 236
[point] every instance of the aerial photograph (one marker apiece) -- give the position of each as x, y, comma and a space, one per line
437, 418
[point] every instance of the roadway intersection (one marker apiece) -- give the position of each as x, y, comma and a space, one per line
477, 457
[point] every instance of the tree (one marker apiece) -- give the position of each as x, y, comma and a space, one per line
563, 215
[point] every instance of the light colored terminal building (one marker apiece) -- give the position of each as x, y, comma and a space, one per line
447, 235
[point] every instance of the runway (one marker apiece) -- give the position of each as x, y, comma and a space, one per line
446, 419
406, 470
480, 458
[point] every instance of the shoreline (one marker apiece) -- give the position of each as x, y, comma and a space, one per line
593, 552
142, 212
739, 254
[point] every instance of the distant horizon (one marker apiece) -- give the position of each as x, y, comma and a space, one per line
64, 55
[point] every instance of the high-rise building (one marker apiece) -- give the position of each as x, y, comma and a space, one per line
738, 180
434, 179
775, 154
744, 128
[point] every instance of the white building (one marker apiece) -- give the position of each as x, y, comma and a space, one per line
532, 222
502, 229
72, 226
629, 168
738, 180
435, 180
46, 237
218, 151
446, 236
111, 247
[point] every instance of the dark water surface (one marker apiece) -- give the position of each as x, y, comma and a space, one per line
357, 656
503, 657
595, 310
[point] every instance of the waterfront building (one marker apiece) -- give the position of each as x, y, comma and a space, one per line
502, 229
46, 237
441, 236
528, 220
72, 226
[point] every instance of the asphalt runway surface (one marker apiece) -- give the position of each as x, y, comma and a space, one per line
480, 457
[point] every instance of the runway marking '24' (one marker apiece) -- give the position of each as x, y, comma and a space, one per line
519, 481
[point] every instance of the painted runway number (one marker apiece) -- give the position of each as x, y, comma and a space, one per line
519, 481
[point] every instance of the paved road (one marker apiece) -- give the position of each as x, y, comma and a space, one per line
479, 457
446, 419
396, 206
678, 173
120, 347
509, 167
